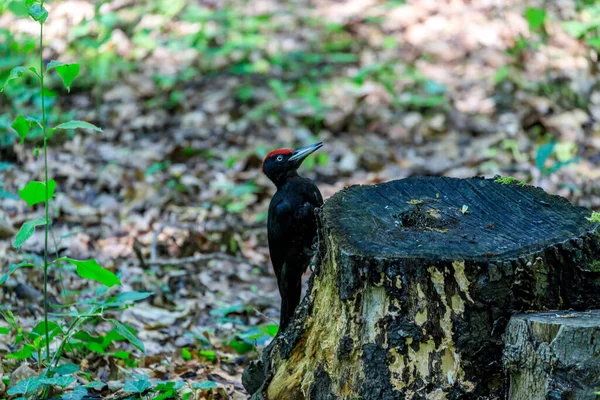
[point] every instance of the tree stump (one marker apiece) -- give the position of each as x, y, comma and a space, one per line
553, 355
415, 282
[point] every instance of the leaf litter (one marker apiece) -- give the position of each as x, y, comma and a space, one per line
394, 90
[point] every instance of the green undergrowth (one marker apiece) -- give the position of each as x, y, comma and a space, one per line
68, 328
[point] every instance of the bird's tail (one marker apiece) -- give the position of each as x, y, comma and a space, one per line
289, 303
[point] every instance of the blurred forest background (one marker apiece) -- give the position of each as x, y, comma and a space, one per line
192, 94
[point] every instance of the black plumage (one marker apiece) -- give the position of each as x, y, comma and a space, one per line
292, 225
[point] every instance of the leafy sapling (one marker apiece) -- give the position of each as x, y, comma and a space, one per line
41, 192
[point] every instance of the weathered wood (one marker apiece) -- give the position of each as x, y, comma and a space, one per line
412, 291
553, 355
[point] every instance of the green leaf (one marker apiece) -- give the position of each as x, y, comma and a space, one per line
125, 331
208, 354
54, 64
536, 17
95, 385
8, 195
125, 297
67, 72
576, 28
75, 125
6, 165
155, 167
19, 9
186, 354
23, 354
544, 152
222, 312
342, 58
35, 192
90, 269
22, 126
123, 355
34, 120
78, 393
205, 385
4, 331
38, 13
593, 42
278, 88
240, 346
501, 74
15, 73
166, 394
165, 385
40, 330
434, 88
86, 337
62, 381
66, 369
26, 386
137, 386
13, 268
26, 231
270, 330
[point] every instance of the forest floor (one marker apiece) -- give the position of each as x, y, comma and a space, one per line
190, 98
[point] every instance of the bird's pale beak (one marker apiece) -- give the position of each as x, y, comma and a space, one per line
299, 155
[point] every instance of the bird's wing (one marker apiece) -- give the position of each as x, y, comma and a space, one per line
292, 227
306, 230
279, 228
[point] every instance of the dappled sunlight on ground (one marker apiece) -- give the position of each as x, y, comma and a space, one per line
191, 95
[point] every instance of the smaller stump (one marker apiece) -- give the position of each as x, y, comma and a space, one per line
554, 355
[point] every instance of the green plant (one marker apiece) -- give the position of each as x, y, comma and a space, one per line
595, 217
587, 26
563, 154
507, 180
536, 19
37, 342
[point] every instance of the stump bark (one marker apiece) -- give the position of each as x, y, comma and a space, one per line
415, 282
553, 355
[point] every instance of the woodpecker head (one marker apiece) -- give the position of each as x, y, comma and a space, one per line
280, 164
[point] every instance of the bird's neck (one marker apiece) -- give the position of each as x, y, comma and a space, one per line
285, 178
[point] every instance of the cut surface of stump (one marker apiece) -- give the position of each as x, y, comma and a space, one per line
553, 355
415, 282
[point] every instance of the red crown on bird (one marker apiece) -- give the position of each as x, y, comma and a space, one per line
274, 153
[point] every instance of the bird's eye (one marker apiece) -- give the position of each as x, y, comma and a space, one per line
279, 158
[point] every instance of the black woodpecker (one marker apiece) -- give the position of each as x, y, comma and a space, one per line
292, 225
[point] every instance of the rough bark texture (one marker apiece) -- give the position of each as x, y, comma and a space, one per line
411, 294
553, 356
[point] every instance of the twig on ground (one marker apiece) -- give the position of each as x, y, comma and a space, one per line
137, 249
201, 258
265, 316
